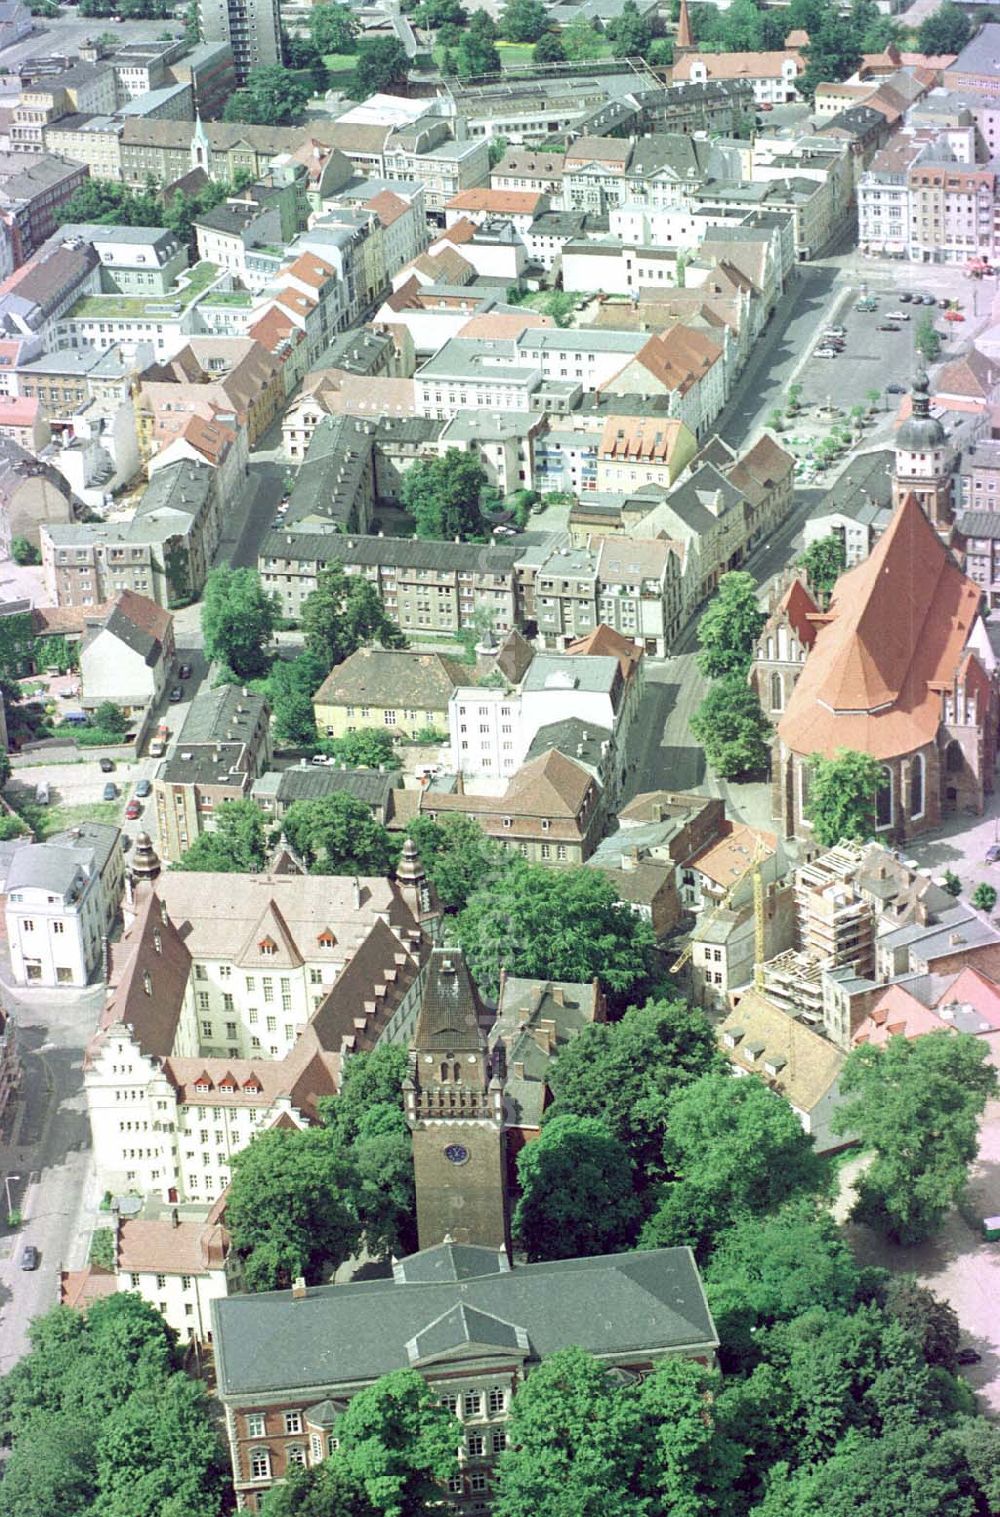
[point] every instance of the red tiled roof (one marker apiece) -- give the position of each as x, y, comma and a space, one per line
511, 202
895, 632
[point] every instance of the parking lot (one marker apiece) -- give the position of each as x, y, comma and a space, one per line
870, 359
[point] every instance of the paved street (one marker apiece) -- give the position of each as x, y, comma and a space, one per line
47, 1148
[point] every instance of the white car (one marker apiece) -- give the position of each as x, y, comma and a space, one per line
898, 316
825, 353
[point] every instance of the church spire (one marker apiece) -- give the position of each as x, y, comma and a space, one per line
684, 37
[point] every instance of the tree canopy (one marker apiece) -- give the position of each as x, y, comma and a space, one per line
736, 1150
104, 1423
382, 64
442, 495
559, 924
524, 20
337, 834
824, 562
367, 748
729, 627
290, 1207
457, 855
916, 1102
272, 96
732, 728
945, 30
576, 1192
400, 1443
624, 1072
333, 29
236, 845
630, 32
927, 338
344, 613
842, 795
238, 619
290, 686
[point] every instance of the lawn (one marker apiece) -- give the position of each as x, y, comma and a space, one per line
46, 820
515, 54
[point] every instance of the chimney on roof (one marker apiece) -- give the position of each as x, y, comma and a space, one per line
356, 893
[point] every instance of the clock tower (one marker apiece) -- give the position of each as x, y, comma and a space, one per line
454, 1106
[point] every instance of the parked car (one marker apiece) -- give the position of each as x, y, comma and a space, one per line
142, 789
29, 1256
176, 694
323, 758
905, 296
838, 331
825, 353
111, 791
993, 854
887, 326
184, 672
964, 1355
133, 810
107, 766
898, 316
928, 300
765, 105
895, 389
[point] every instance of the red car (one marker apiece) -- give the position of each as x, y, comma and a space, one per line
133, 810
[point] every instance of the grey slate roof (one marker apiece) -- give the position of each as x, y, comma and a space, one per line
548, 671
222, 714
979, 524
313, 781
403, 552
338, 1334
863, 490
578, 739
53, 865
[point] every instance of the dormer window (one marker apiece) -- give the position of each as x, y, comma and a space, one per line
157, 941
268, 947
147, 982
326, 938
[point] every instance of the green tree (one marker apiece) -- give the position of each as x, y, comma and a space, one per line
382, 1188
984, 898
629, 32
333, 29
693, 1462
737, 1150
730, 626
110, 718
238, 619
382, 64
477, 52
927, 339
272, 96
192, 24
290, 687
952, 883
107, 203
902, 1473
23, 552
732, 728
442, 495
575, 1444
581, 41
833, 53
946, 30
367, 748
344, 613
931, 1322
624, 1073
768, 1269
434, 14
457, 856
824, 562
159, 1453
323, 1490
916, 1103
368, 1082
337, 834
289, 1209
576, 1192
524, 20
236, 845
400, 1443
842, 796
549, 49
563, 924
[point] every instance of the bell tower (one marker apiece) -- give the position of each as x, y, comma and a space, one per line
925, 461
454, 1107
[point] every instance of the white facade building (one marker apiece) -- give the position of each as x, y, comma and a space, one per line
62, 899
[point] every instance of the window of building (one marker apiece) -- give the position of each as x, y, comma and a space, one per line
450, 1403
260, 1464
134, 1280
478, 1481
475, 1445
161, 1282
296, 1454
293, 1422
498, 1441
497, 1400
472, 1404
884, 806
917, 778
316, 1446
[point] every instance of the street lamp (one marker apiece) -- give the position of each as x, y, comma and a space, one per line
6, 1180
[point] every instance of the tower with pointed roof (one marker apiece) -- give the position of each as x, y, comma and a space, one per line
684, 41
454, 1107
924, 461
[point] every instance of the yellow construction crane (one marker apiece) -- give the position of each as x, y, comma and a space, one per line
760, 853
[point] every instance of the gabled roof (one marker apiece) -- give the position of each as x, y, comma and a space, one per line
451, 1013
798, 606
605, 642
270, 943
895, 632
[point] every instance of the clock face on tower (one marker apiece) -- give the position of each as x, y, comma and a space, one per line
456, 1153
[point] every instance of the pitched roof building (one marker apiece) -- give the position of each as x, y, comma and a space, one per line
901, 669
